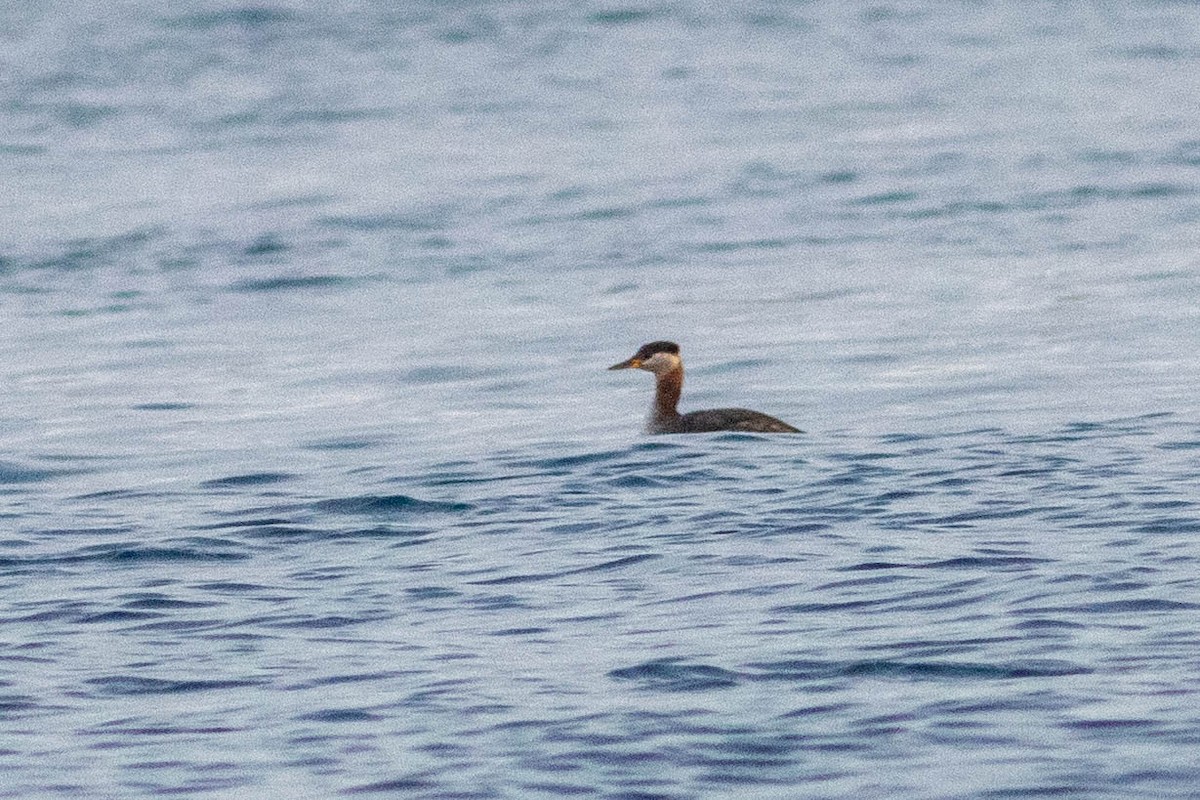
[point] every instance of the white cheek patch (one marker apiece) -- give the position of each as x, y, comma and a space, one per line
661, 362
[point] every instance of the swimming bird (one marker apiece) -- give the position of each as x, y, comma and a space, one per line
662, 358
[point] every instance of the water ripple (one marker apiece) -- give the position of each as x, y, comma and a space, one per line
118, 685
387, 505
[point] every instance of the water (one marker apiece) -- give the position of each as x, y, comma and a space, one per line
314, 483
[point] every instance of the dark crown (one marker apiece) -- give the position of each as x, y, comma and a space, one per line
647, 350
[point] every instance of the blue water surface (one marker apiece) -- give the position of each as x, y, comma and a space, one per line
313, 482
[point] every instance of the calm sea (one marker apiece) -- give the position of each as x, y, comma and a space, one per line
313, 482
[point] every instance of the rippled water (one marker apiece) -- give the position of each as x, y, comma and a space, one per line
314, 483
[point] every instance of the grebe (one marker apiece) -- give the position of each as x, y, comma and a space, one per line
662, 358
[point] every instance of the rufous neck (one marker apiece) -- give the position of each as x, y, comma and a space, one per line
668, 386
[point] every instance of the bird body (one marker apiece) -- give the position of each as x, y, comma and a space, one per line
662, 359
721, 419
